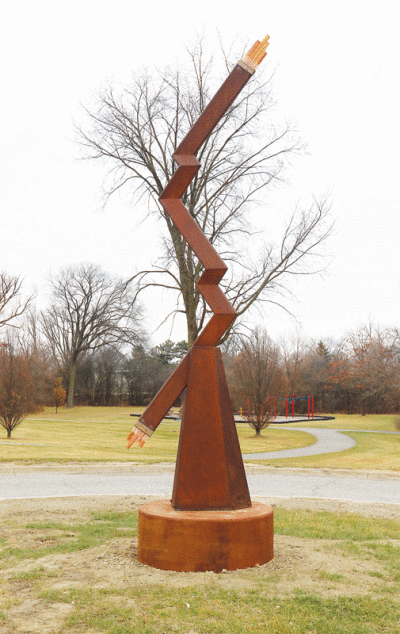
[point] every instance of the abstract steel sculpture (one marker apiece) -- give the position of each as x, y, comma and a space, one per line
209, 477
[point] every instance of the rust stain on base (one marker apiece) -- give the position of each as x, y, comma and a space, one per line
196, 541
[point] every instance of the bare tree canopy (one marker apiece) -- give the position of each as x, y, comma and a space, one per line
257, 375
12, 304
89, 310
366, 366
17, 389
136, 129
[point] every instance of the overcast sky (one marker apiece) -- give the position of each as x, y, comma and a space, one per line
336, 76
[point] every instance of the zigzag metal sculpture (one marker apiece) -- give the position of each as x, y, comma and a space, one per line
209, 472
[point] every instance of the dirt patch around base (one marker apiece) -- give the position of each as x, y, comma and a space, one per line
75, 509
316, 565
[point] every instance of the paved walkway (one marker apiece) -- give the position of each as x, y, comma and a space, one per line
158, 481
328, 441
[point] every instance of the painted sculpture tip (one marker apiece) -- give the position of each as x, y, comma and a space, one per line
256, 53
136, 435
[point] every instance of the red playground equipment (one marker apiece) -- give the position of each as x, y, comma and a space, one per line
270, 407
310, 404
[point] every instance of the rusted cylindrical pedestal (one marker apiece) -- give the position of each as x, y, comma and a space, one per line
193, 541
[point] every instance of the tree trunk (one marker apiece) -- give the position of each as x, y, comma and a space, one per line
192, 329
190, 299
9, 433
71, 386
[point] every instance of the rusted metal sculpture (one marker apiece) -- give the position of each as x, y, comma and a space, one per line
209, 471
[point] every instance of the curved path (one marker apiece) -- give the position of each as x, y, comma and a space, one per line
328, 441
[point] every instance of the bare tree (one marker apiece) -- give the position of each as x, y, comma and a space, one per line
136, 130
317, 379
145, 371
59, 394
42, 365
257, 376
295, 353
373, 367
99, 377
17, 388
12, 304
89, 311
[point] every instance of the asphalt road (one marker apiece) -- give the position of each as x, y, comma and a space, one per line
373, 488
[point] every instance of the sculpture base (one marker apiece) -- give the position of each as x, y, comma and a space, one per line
194, 541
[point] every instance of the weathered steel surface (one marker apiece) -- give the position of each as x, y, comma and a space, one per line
166, 397
209, 470
214, 266
204, 540
214, 112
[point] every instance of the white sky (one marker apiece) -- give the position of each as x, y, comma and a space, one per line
337, 76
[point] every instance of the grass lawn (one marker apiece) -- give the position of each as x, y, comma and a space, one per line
377, 422
99, 434
333, 573
372, 451
88, 434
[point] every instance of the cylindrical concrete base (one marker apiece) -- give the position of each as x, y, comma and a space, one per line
193, 541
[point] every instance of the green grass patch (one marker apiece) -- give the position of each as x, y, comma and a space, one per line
386, 554
372, 451
272, 439
31, 575
54, 537
217, 611
376, 574
373, 422
137, 605
331, 576
99, 434
367, 539
88, 414
338, 526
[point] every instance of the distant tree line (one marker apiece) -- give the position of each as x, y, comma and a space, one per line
89, 348
131, 376
359, 374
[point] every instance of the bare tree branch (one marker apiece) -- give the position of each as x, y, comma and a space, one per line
12, 304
